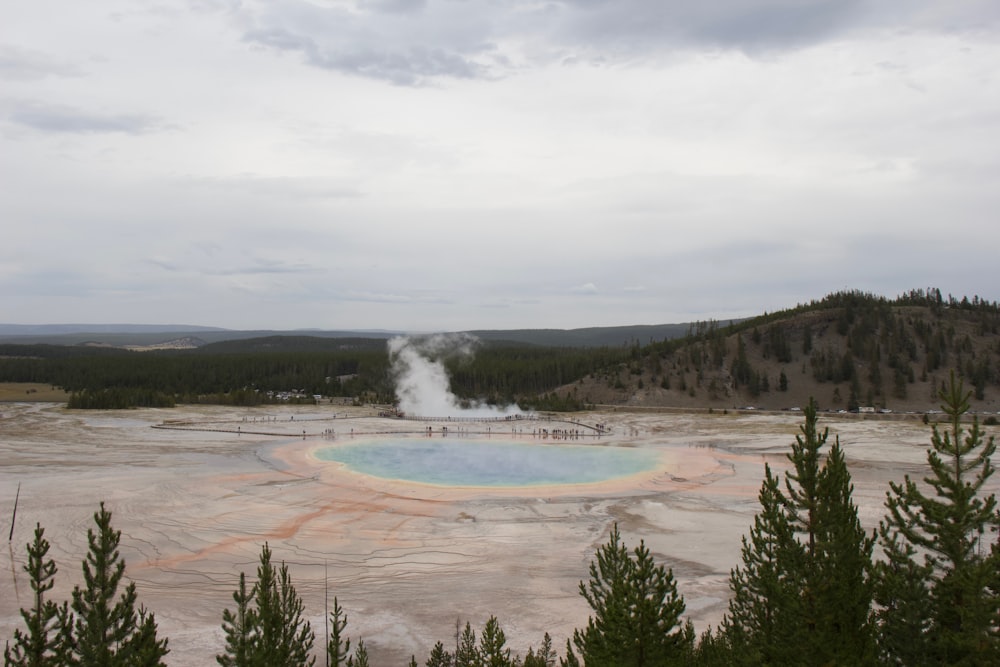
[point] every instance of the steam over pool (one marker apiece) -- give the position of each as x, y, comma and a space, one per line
470, 462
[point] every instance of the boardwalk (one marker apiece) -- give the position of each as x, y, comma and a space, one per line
541, 426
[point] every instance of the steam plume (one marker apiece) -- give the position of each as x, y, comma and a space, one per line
422, 383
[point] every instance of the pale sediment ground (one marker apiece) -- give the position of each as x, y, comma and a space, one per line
405, 560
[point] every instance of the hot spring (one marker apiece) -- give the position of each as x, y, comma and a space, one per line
488, 462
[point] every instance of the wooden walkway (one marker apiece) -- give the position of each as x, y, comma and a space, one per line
259, 428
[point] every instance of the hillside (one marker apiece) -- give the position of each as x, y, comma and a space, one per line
847, 350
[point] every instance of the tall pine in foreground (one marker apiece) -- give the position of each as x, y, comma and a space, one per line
763, 622
110, 632
637, 612
47, 639
803, 594
937, 590
285, 638
338, 645
267, 629
238, 627
493, 651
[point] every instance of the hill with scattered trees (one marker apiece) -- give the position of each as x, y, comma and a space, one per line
849, 350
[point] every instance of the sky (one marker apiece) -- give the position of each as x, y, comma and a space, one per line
449, 165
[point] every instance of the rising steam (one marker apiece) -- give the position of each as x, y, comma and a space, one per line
422, 384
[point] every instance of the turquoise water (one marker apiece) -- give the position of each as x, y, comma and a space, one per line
471, 462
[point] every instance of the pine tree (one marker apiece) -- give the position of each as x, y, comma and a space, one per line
285, 638
764, 615
338, 646
637, 610
48, 638
904, 608
937, 588
711, 650
805, 580
546, 654
837, 589
109, 633
544, 657
842, 569
360, 657
439, 657
239, 627
271, 633
570, 660
148, 650
467, 653
492, 645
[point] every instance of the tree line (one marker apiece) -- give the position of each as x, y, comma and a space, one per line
809, 589
252, 372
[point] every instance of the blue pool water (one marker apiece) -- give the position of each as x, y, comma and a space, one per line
471, 462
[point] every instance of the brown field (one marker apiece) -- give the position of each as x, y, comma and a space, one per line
31, 392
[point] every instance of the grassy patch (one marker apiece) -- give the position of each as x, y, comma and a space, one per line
31, 391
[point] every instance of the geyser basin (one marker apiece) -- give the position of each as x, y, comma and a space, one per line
471, 462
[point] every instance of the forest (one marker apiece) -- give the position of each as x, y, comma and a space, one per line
252, 372
847, 350
813, 588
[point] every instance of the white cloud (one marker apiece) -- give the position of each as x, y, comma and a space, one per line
19, 64
439, 165
60, 118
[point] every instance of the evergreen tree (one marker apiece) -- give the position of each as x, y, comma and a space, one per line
805, 578
338, 646
360, 657
492, 645
48, 638
837, 589
239, 627
764, 615
840, 573
937, 588
637, 610
532, 660
272, 632
570, 660
109, 633
439, 657
148, 649
544, 657
711, 650
284, 638
904, 608
467, 653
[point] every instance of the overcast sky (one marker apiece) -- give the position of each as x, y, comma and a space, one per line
461, 164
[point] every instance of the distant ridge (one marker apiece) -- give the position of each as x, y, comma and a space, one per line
62, 329
642, 334
151, 335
